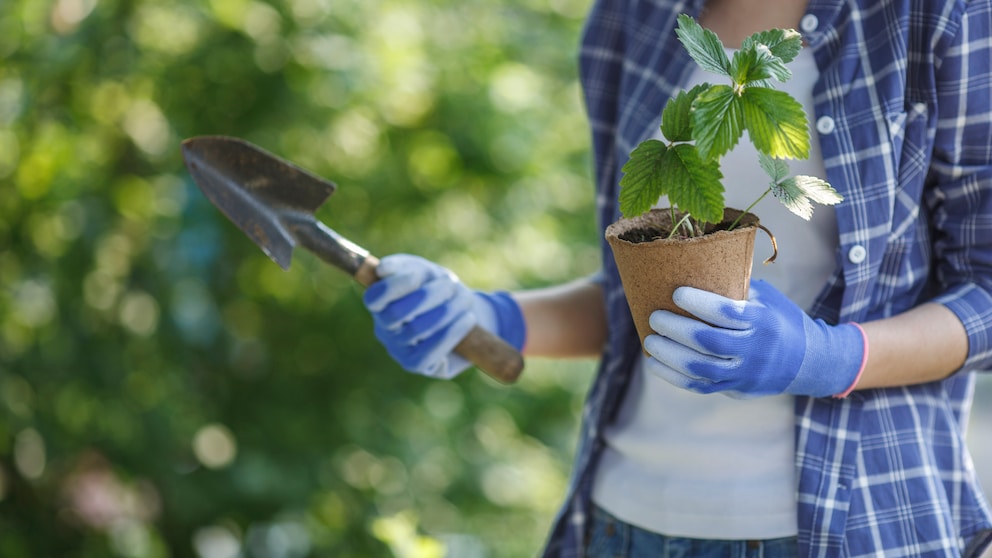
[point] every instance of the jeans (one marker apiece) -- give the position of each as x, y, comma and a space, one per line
610, 537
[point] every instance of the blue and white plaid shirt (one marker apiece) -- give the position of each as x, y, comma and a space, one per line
904, 113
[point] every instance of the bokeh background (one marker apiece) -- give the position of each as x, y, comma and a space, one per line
165, 389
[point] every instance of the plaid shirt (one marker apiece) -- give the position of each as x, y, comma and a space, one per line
904, 112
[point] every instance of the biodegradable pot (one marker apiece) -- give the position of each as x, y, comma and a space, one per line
719, 261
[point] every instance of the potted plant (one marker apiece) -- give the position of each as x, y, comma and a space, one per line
697, 241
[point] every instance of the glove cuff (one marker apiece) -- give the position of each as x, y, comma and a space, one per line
509, 318
834, 360
864, 361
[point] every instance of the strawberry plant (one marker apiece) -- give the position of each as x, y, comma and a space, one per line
704, 123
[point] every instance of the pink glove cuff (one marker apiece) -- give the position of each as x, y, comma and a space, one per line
864, 361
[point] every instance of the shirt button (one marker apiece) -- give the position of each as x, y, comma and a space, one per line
809, 23
825, 125
857, 254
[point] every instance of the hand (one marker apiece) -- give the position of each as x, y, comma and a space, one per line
421, 311
763, 346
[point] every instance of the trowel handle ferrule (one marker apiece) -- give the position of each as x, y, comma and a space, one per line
328, 245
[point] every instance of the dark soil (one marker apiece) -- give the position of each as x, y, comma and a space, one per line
644, 234
647, 234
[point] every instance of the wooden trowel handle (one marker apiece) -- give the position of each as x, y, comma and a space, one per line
489, 352
492, 355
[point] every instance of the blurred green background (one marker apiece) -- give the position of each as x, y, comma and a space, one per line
165, 389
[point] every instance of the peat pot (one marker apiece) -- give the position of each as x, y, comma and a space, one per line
718, 261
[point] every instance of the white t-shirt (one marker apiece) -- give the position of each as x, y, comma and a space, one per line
708, 466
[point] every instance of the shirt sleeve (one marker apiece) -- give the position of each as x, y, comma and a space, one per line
961, 171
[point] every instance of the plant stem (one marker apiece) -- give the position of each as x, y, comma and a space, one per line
748, 210
681, 222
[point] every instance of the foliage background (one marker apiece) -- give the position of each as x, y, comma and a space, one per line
165, 389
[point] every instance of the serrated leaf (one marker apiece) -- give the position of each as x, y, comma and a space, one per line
703, 46
776, 123
818, 190
756, 63
641, 184
783, 43
792, 198
717, 121
676, 119
777, 169
693, 184
795, 194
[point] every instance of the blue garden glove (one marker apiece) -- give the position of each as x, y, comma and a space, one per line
421, 311
763, 346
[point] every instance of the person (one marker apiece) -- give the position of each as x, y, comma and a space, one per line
850, 369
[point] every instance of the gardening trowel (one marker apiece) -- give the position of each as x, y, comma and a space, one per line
273, 202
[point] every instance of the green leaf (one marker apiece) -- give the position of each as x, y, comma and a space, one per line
795, 194
641, 184
818, 190
717, 121
793, 199
676, 119
783, 43
776, 123
693, 184
777, 169
703, 46
755, 64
